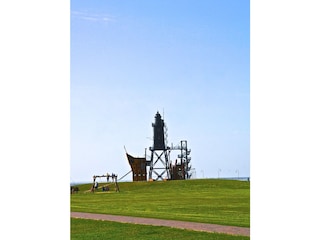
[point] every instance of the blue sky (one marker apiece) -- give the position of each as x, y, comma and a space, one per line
189, 60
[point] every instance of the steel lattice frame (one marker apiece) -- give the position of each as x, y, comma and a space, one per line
159, 165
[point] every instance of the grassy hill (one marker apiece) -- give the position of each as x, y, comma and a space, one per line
225, 202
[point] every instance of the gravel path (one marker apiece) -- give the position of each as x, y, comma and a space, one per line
206, 227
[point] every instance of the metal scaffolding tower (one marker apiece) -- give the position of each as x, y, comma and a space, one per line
185, 159
182, 167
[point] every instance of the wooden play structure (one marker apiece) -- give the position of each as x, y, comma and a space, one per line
104, 188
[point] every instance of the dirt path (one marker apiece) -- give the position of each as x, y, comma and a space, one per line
167, 223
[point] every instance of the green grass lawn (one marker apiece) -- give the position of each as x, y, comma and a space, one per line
83, 229
225, 202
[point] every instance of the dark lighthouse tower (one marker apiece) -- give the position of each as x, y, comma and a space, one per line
159, 164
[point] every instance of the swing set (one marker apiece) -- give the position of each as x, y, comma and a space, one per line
95, 184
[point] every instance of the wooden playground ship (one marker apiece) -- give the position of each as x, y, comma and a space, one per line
139, 167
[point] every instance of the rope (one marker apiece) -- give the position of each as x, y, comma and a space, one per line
125, 175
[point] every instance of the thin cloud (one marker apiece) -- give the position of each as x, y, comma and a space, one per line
91, 17
107, 19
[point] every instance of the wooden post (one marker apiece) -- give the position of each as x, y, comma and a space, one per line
116, 182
